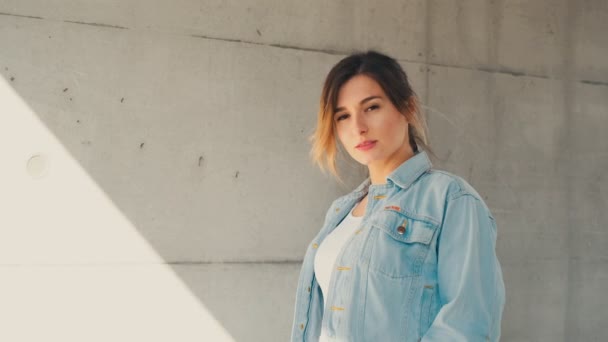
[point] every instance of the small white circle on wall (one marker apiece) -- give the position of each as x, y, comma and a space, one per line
37, 166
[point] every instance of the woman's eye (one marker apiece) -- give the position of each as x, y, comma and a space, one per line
344, 116
341, 117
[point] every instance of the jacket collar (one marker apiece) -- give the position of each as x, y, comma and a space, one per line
405, 174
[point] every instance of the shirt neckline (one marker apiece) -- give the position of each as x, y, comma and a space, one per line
350, 213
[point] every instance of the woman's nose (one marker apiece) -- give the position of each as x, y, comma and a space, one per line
360, 124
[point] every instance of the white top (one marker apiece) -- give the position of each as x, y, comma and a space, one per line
328, 252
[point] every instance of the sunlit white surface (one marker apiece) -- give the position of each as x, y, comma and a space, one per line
72, 266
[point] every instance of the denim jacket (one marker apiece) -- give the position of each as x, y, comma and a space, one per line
421, 267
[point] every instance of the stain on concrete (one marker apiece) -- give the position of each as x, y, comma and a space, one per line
65, 89
122, 100
12, 78
506, 71
141, 145
291, 47
96, 24
20, 15
77, 121
594, 82
200, 160
223, 39
282, 46
258, 31
236, 175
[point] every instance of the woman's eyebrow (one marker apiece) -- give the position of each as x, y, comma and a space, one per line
360, 103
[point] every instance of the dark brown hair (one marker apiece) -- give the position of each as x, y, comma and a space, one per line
393, 80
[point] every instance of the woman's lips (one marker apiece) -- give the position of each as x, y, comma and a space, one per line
367, 146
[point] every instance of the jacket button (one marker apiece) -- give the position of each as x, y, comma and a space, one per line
401, 230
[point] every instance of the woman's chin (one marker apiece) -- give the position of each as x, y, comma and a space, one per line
366, 161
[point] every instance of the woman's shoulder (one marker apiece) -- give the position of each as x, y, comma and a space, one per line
448, 183
428, 197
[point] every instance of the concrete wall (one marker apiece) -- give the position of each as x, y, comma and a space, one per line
155, 180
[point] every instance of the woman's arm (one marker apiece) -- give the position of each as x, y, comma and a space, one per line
470, 284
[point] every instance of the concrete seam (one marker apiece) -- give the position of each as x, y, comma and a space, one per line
503, 71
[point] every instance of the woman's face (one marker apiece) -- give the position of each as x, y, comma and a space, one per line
366, 114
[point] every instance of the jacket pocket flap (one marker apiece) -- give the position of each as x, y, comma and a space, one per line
403, 228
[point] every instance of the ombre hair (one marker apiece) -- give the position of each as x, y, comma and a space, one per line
393, 80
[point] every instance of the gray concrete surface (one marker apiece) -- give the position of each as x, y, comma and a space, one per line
155, 173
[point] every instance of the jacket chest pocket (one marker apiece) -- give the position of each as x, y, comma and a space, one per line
400, 245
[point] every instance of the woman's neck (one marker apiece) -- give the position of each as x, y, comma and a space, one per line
379, 170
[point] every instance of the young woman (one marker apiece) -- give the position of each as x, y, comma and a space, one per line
409, 255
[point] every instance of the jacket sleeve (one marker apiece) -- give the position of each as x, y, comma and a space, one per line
470, 284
